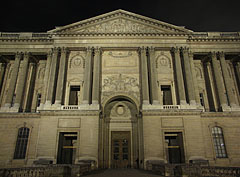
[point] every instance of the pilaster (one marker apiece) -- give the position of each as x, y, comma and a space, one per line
2, 71
87, 77
13, 81
194, 78
189, 79
46, 78
227, 80
154, 87
144, 76
220, 89
179, 75
61, 77
22, 82
96, 76
52, 77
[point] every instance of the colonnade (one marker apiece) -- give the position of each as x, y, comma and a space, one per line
55, 77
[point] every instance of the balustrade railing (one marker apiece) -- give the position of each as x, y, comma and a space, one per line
47, 171
193, 170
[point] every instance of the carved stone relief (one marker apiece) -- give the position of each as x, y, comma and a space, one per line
119, 59
120, 110
120, 83
120, 25
163, 63
198, 72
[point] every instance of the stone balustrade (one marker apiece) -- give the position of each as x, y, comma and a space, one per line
193, 170
47, 171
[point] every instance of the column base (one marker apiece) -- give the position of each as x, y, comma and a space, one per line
90, 107
183, 102
156, 102
94, 102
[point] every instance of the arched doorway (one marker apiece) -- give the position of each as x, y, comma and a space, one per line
120, 134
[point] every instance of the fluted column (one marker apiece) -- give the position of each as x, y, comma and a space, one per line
144, 73
217, 74
52, 77
228, 81
96, 76
13, 80
22, 81
180, 83
238, 72
189, 79
87, 77
46, 78
194, 77
154, 87
61, 76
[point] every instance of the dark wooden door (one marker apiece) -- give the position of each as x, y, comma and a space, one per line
121, 150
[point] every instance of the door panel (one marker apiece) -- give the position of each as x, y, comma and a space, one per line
121, 150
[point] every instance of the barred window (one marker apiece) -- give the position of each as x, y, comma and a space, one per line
218, 141
21, 144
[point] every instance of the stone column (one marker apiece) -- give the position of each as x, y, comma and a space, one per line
180, 84
13, 80
189, 79
194, 77
22, 81
46, 78
228, 81
87, 77
217, 74
144, 73
61, 77
153, 74
96, 76
2, 71
52, 77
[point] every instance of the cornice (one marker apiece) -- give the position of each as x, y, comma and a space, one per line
20, 115
117, 34
69, 113
25, 40
219, 39
220, 114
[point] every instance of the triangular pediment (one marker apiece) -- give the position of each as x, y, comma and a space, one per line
120, 22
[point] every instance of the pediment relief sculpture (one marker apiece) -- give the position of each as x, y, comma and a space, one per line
120, 21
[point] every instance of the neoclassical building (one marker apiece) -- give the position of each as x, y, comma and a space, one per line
119, 90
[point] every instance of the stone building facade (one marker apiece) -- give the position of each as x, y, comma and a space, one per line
119, 90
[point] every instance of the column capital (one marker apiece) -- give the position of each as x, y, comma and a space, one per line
55, 49
97, 50
213, 54
18, 55
151, 49
185, 49
175, 50
191, 54
64, 50
49, 54
221, 54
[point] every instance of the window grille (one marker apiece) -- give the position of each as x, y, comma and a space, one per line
21, 144
218, 141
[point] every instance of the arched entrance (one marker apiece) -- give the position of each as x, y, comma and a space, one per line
120, 134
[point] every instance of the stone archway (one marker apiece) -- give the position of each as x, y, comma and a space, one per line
119, 134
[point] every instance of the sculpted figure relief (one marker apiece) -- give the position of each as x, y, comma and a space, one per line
120, 26
120, 83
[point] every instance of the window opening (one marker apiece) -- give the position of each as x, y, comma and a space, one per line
174, 147
166, 94
21, 144
73, 96
218, 141
201, 99
39, 99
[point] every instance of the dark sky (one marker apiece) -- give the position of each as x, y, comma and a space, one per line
44, 15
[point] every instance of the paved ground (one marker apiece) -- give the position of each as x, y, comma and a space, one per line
121, 173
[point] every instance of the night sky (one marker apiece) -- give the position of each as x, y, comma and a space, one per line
44, 15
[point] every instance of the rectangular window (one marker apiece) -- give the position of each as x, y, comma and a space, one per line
218, 141
73, 96
21, 144
166, 94
38, 99
201, 99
